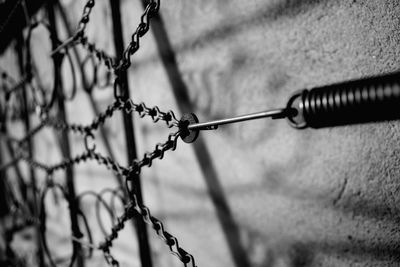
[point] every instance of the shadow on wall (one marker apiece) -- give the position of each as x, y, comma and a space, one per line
303, 253
344, 200
296, 254
306, 253
264, 15
180, 90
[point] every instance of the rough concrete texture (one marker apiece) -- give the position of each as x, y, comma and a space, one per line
258, 193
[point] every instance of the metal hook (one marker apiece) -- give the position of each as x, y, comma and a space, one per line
65, 44
93, 147
41, 112
74, 79
118, 84
212, 125
190, 125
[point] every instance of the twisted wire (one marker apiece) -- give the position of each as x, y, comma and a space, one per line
132, 208
150, 11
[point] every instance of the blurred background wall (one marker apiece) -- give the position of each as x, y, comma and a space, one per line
257, 193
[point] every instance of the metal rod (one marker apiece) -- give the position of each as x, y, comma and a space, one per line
83, 243
65, 44
18, 172
212, 125
143, 239
4, 208
65, 148
31, 148
19, 85
95, 108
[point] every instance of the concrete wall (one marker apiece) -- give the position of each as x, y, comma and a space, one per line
259, 193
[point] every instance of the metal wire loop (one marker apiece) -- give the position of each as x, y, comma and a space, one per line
118, 95
90, 148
